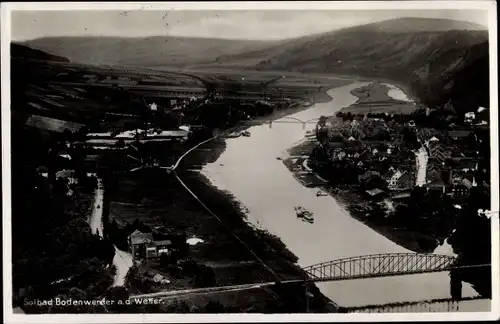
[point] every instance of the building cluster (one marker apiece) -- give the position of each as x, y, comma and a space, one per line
454, 162
153, 245
385, 164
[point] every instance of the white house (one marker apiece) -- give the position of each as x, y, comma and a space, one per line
399, 179
469, 117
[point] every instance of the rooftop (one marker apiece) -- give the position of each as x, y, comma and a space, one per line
137, 237
163, 242
52, 124
374, 192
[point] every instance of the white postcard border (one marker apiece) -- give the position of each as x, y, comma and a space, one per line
9, 317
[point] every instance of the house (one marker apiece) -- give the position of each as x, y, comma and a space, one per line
144, 245
161, 247
438, 152
367, 175
434, 165
400, 196
467, 164
155, 249
459, 134
461, 189
336, 154
400, 180
447, 175
67, 174
436, 186
371, 180
52, 124
137, 242
375, 193
469, 117
435, 182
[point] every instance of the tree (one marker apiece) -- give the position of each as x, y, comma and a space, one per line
205, 277
213, 307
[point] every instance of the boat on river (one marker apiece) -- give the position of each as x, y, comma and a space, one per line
304, 214
233, 135
246, 133
321, 193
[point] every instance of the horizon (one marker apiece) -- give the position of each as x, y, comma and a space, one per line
269, 25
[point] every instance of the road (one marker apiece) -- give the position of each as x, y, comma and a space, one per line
122, 260
96, 215
421, 161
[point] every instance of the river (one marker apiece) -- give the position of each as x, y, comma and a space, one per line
249, 170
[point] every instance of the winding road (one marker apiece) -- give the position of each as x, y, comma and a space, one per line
122, 259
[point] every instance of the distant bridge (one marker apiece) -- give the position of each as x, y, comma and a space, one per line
361, 267
284, 120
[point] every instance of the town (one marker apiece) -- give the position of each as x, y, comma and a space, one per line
214, 175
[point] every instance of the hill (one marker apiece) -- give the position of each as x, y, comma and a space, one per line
459, 76
377, 48
20, 51
150, 51
439, 59
436, 57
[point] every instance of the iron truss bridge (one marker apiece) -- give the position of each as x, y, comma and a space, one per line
283, 120
379, 265
361, 267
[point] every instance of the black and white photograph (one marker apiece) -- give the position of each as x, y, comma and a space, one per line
313, 160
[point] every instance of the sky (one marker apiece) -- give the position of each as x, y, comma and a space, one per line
233, 24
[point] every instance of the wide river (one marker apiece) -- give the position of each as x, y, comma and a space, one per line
248, 169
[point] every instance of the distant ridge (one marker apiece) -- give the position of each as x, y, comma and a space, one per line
414, 25
21, 51
148, 51
433, 56
183, 51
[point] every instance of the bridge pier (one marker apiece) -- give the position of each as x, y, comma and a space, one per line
455, 285
270, 124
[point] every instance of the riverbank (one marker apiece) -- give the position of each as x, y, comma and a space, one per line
250, 168
157, 199
348, 196
423, 232
351, 196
